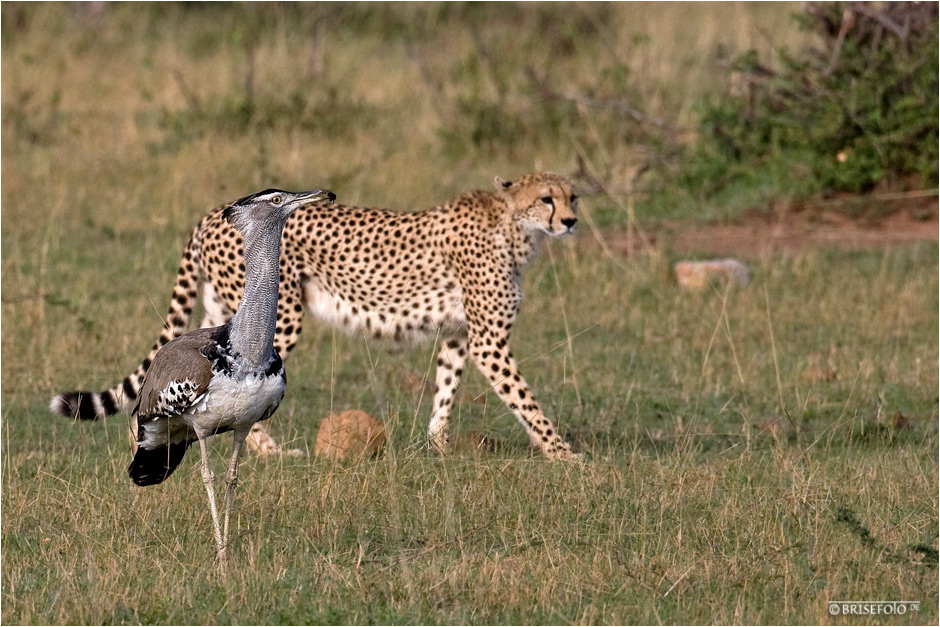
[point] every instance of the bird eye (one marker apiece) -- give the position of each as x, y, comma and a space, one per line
548, 200
276, 200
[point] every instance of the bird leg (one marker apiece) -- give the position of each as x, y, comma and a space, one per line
231, 480
208, 478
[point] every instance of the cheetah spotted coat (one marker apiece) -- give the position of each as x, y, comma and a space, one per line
451, 272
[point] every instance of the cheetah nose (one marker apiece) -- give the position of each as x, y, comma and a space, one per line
569, 222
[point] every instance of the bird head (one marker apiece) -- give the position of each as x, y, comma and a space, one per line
271, 206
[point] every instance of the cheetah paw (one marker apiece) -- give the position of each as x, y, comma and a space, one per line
565, 454
261, 443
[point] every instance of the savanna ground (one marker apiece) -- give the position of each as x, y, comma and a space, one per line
752, 453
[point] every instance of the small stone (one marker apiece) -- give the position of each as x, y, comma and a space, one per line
772, 425
698, 274
900, 421
818, 375
350, 434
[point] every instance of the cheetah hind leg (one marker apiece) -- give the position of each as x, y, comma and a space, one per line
450, 361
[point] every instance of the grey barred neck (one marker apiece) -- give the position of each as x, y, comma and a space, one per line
251, 331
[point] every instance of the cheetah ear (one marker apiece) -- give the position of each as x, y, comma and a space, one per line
501, 183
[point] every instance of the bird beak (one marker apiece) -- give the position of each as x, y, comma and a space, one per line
306, 198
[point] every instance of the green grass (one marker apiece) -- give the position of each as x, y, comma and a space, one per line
723, 484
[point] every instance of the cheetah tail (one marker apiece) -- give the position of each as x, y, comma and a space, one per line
85, 405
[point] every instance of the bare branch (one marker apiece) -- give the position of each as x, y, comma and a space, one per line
901, 31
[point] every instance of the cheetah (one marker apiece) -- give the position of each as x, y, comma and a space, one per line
452, 272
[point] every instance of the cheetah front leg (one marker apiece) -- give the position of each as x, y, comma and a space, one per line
450, 361
492, 357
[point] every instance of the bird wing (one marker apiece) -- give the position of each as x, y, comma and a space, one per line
179, 376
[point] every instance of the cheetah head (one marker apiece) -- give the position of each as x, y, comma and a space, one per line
541, 202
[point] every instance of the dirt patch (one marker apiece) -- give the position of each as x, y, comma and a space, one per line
788, 230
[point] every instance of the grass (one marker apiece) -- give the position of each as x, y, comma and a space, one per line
722, 484
470, 542
725, 481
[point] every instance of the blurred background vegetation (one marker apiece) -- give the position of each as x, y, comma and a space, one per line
855, 112
690, 110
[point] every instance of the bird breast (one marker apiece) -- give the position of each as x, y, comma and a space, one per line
238, 403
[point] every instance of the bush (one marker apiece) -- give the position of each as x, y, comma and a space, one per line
858, 112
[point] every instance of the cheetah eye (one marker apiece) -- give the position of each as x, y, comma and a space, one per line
548, 201
276, 200
574, 198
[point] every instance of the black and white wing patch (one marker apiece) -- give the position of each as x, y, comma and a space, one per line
177, 397
176, 384
178, 378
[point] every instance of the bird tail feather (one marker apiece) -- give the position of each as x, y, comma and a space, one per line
151, 467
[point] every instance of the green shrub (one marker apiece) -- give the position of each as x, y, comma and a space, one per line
858, 112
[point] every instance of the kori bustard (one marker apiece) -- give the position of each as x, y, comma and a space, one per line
224, 378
